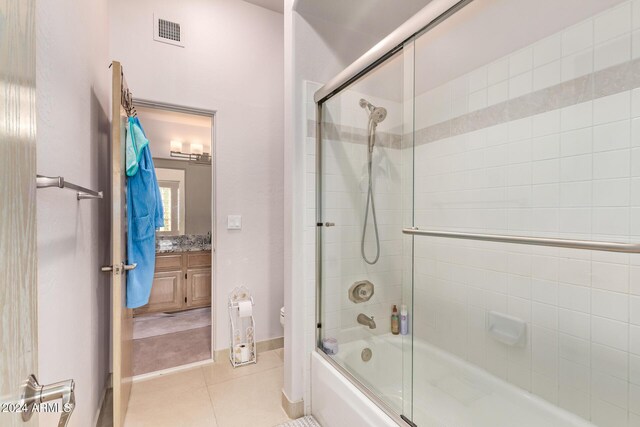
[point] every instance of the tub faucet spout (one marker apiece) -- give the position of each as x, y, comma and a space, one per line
366, 321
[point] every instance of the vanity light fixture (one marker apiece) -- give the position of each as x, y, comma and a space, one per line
196, 156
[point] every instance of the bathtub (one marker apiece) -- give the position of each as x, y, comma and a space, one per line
447, 391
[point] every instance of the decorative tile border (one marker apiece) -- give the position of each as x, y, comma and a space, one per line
354, 134
610, 81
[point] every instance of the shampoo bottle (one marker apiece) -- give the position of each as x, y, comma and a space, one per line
395, 321
404, 321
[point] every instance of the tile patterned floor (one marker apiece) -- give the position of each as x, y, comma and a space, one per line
213, 396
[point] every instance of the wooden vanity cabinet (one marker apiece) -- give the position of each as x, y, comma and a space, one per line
181, 281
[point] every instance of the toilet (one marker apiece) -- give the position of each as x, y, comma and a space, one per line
282, 316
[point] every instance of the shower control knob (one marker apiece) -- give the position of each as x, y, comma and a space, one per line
329, 224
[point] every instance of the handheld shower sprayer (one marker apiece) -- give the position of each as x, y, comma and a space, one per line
376, 115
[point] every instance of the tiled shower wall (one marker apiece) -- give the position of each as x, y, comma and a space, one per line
546, 142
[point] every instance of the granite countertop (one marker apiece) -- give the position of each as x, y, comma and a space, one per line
184, 243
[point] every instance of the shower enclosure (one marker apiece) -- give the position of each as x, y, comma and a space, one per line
484, 172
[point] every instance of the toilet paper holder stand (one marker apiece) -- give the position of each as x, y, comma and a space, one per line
242, 344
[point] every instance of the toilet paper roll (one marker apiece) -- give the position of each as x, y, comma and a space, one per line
245, 308
242, 353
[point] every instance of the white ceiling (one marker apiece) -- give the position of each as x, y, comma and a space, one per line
374, 17
275, 5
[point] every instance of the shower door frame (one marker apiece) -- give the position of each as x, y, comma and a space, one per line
431, 15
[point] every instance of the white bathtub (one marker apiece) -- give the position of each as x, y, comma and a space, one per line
447, 391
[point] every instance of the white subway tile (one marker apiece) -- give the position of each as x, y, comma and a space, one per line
576, 168
634, 369
611, 108
634, 339
544, 291
576, 142
609, 389
544, 267
612, 277
575, 298
611, 192
545, 171
612, 305
612, 52
613, 23
477, 79
574, 194
635, 12
520, 85
606, 414
634, 310
575, 220
574, 323
478, 100
574, 375
576, 116
578, 37
498, 71
611, 164
575, 401
610, 361
497, 93
546, 147
635, 162
519, 286
577, 65
610, 332
547, 75
635, 45
521, 61
610, 221
575, 349
544, 315
544, 349
574, 271
612, 136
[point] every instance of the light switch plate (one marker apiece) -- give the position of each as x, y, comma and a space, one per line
234, 222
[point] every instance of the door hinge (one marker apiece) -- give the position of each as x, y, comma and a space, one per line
185, 275
185, 300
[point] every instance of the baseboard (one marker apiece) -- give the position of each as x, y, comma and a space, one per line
294, 410
261, 346
101, 408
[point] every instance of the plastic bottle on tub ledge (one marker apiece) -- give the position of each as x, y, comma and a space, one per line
395, 321
404, 320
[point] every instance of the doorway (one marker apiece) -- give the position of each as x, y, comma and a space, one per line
176, 327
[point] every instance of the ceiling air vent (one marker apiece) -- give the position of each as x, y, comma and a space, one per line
166, 31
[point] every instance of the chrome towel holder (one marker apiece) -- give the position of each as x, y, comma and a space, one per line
59, 182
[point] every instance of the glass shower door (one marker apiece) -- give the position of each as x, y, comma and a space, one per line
525, 125
364, 272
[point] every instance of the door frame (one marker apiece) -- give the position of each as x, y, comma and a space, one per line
147, 103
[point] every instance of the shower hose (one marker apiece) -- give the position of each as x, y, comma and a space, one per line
370, 202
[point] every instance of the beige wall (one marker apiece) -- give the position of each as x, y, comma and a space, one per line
73, 96
198, 194
232, 64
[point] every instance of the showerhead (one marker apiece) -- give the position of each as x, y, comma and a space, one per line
376, 114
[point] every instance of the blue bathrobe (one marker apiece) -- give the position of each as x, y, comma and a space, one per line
144, 215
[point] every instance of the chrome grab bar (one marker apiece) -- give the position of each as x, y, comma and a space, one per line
59, 182
629, 248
